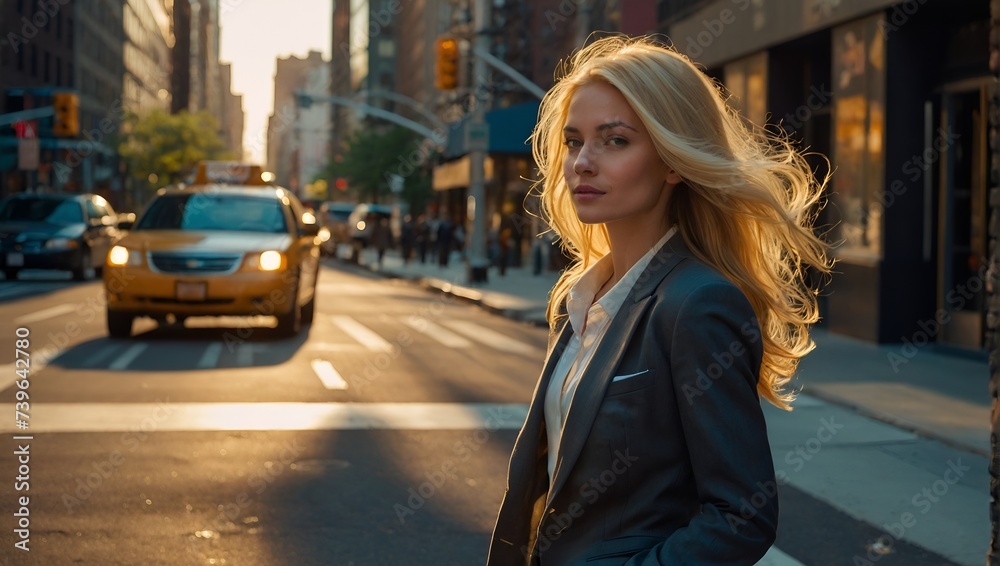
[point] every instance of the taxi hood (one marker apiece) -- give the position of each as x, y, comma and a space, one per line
205, 241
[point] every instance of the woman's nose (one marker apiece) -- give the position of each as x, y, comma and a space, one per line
583, 164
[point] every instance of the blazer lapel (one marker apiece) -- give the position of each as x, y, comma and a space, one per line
590, 393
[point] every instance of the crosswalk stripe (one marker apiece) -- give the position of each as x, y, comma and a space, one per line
194, 417
100, 356
210, 357
362, 333
491, 337
437, 332
44, 314
328, 375
125, 359
333, 347
244, 355
776, 557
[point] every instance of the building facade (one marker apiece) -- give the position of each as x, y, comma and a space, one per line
147, 56
291, 74
897, 94
232, 118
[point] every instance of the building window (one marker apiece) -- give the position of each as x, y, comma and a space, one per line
34, 61
46, 61
859, 135
746, 79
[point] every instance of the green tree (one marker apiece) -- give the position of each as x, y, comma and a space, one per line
161, 148
372, 158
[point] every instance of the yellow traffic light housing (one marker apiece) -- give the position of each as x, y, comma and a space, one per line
67, 117
447, 64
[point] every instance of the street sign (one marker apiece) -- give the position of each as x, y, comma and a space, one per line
26, 129
477, 136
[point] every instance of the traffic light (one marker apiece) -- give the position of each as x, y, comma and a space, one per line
447, 64
67, 117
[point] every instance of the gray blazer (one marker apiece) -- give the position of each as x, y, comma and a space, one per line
664, 457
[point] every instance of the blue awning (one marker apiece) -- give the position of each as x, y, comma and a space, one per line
511, 127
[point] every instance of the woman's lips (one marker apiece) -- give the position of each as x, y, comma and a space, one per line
586, 192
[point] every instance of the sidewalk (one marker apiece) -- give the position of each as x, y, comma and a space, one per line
904, 419
936, 394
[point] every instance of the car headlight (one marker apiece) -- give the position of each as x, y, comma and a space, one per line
60, 244
120, 255
270, 260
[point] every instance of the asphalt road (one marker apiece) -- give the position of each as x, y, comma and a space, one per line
378, 436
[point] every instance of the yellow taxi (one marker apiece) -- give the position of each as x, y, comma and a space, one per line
215, 250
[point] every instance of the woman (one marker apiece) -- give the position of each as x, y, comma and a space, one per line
686, 302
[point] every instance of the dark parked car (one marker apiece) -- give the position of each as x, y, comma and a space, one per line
59, 231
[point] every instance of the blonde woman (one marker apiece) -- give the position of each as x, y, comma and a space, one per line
686, 303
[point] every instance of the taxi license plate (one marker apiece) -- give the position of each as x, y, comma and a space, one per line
15, 259
188, 291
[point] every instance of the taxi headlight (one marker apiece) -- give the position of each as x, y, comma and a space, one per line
120, 255
270, 260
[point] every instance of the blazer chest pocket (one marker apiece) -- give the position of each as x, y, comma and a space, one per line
628, 382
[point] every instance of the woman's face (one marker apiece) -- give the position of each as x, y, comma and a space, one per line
611, 166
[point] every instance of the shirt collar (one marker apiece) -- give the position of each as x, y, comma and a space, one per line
582, 293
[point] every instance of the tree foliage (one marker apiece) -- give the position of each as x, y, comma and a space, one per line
373, 157
161, 148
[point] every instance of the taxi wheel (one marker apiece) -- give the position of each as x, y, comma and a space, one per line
290, 323
119, 324
309, 311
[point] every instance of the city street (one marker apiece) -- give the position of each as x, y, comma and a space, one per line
381, 437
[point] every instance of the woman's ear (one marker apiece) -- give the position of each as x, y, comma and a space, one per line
673, 177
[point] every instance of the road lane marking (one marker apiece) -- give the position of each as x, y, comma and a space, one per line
332, 347
38, 362
362, 333
125, 359
210, 357
44, 314
244, 355
101, 356
492, 338
203, 417
328, 375
775, 557
437, 332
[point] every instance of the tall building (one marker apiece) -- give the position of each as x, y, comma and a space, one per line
33, 59
148, 41
291, 74
232, 117
195, 73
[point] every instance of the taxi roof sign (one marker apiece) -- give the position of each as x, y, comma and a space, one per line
228, 173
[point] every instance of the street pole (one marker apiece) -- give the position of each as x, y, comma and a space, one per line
478, 262
993, 293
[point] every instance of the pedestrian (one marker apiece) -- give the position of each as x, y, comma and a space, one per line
444, 241
407, 238
381, 237
423, 237
645, 442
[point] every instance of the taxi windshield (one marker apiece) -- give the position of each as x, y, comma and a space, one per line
213, 212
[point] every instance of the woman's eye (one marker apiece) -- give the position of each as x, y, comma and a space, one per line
616, 141
571, 143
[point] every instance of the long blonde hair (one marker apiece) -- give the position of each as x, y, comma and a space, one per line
746, 204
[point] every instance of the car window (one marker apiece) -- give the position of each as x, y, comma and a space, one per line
56, 211
213, 212
92, 212
102, 210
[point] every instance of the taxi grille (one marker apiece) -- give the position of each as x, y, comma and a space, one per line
190, 263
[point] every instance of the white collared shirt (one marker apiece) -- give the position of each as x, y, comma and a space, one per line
590, 321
